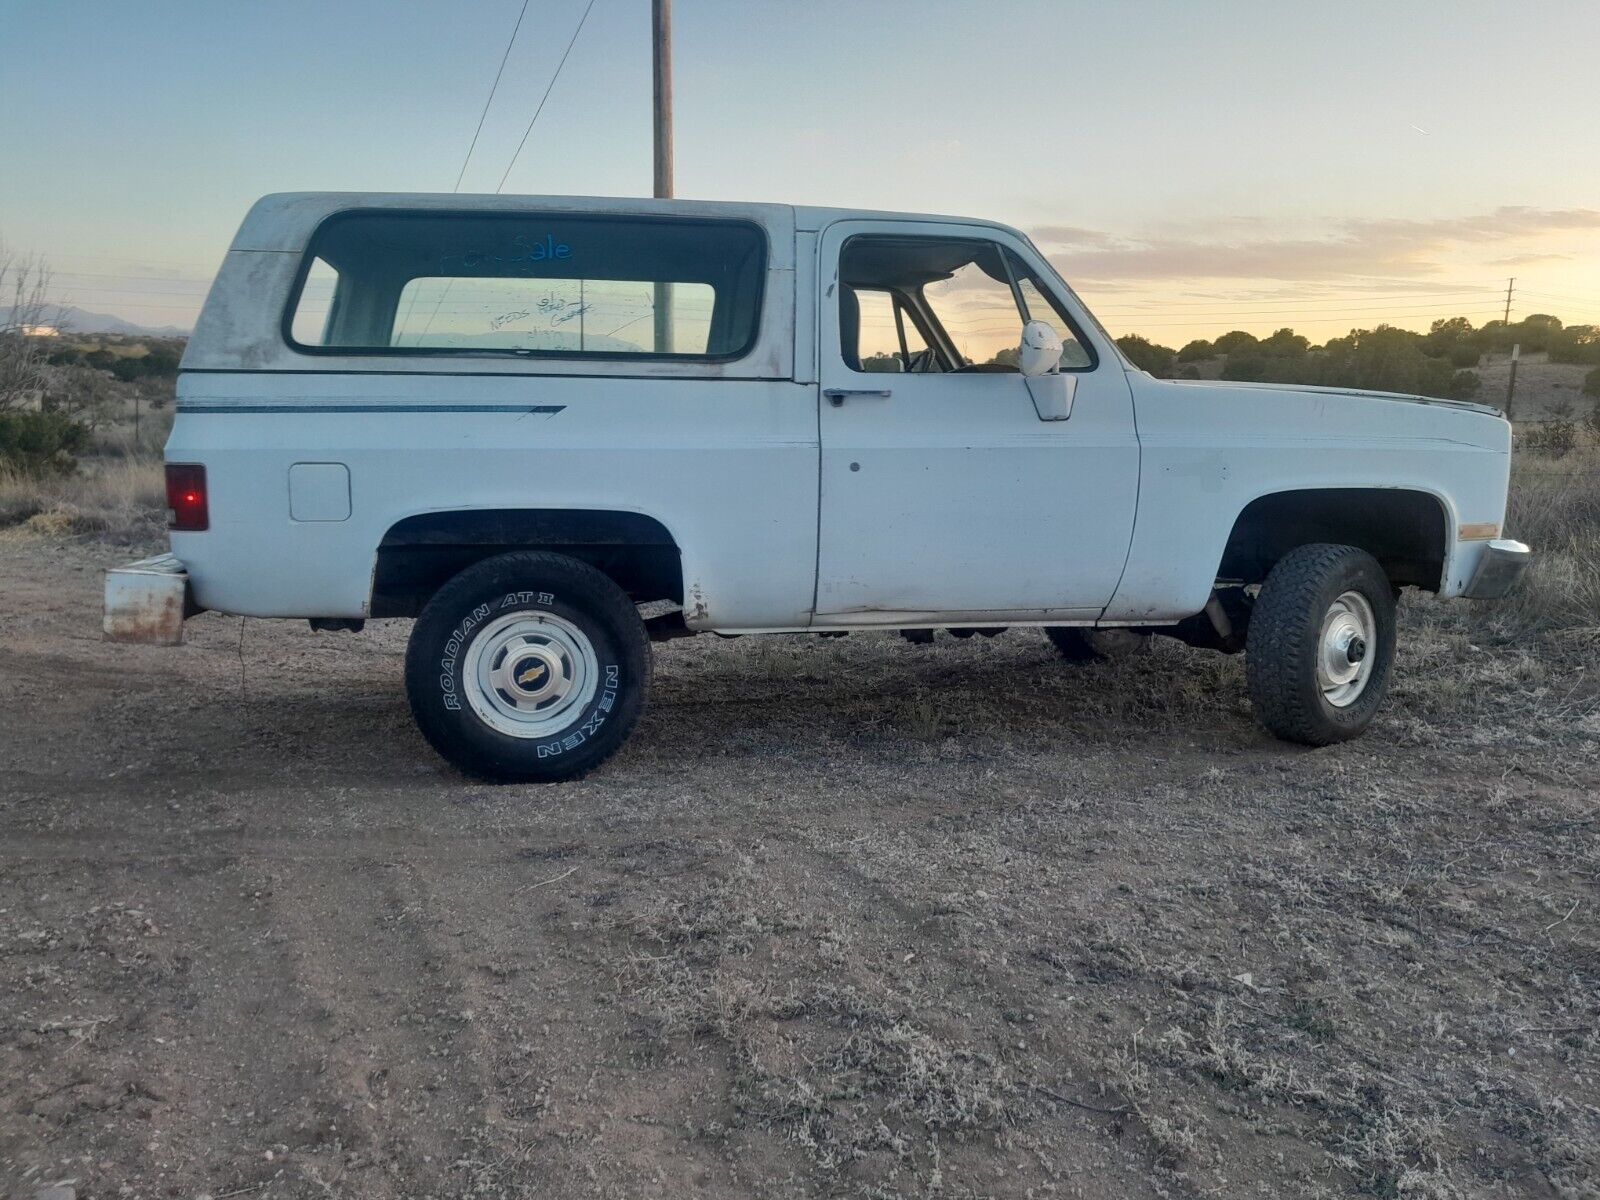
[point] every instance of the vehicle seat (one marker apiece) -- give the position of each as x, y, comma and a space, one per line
850, 328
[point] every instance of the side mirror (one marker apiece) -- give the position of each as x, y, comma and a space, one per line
1052, 395
1040, 352
1039, 360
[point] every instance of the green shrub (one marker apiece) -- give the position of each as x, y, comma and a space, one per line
1246, 368
44, 442
1554, 438
1285, 343
1576, 344
1236, 341
1464, 385
1146, 355
1591, 383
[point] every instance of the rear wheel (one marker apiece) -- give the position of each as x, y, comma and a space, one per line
528, 666
1321, 644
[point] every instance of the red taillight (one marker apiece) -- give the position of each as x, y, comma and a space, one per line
186, 498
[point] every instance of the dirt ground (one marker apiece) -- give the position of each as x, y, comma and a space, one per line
847, 917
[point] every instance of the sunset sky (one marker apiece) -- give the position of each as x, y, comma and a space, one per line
1190, 168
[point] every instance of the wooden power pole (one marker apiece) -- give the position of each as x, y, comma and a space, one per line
661, 44
1511, 380
661, 41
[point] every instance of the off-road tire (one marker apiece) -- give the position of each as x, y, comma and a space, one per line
1284, 641
1073, 643
591, 612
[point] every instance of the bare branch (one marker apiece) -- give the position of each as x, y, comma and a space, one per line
25, 316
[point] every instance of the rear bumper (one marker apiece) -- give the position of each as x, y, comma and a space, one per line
1498, 570
147, 601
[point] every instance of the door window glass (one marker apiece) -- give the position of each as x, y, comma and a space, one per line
1041, 308
964, 300
889, 341
978, 311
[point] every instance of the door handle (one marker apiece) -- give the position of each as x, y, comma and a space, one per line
837, 396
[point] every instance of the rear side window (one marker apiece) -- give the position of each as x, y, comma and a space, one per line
531, 284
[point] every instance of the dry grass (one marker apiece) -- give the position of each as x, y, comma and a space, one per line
123, 438
847, 918
1338, 970
122, 500
1555, 508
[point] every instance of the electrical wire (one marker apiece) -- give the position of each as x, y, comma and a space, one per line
1404, 297
548, 88
1397, 310
493, 87
1320, 321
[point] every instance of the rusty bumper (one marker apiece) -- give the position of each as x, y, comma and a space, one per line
1498, 570
147, 601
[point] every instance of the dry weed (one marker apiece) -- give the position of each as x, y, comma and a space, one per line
122, 500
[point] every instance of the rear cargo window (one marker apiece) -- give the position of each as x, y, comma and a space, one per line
534, 284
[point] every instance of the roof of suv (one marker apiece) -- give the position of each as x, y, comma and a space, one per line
283, 220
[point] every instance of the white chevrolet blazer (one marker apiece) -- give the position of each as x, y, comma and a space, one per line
553, 429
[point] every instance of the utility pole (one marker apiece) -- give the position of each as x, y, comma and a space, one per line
661, 43
1511, 382
1516, 350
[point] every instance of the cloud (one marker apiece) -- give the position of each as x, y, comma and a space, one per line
1071, 235
1353, 248
1525, 260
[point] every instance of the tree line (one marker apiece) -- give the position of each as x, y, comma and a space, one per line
1437, 363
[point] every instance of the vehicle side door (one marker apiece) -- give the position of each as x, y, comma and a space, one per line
945, 495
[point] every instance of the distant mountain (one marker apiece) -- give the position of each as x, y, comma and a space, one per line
72, 319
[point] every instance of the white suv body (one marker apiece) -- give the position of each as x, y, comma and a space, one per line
383, 390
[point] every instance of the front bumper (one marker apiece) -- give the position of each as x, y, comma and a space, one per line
147, 601
1498, 570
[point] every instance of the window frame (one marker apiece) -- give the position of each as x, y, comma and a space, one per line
924, 311
309, 255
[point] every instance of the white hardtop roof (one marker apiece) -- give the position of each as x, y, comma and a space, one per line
283, 221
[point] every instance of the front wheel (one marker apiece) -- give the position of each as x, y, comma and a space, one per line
528, 667
1321, 644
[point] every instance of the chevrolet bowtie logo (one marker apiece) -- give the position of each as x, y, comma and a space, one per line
532, 675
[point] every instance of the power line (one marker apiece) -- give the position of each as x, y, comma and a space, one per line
1405, 297
1323, 321
49, 257
1564, 299
548, 88
1287, 310
1401, 309
493, 87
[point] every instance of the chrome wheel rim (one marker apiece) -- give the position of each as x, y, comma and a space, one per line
1346, 649
530, 675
